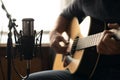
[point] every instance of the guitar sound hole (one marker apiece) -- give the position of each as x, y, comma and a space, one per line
74, 45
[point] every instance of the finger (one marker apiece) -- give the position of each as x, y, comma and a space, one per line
108, 38
113, 25
107, 35
61, 42
59, 49
61, 39
102, 48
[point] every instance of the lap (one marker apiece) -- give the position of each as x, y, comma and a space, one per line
105, 73
51, 75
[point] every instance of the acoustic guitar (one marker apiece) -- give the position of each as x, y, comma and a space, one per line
83, 57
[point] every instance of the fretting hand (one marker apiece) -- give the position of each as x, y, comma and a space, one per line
107, 44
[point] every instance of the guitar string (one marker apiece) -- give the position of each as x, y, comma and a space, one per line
90, 40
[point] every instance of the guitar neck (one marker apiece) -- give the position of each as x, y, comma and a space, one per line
88, 41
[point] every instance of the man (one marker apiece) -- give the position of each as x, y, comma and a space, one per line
107, 11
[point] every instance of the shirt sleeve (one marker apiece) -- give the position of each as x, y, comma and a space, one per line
74, 10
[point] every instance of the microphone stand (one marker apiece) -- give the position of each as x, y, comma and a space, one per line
9, 42
9, 51
9, 47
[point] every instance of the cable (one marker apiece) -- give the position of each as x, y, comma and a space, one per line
16, 71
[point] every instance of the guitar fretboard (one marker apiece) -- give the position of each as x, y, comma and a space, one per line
89, 41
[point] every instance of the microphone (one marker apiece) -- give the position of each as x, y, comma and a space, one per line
26, 42
28, 38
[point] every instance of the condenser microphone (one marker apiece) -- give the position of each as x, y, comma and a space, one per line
27, 39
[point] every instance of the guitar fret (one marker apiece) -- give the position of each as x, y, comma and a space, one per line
89, 41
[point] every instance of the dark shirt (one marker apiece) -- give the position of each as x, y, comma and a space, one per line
103, 10
99, 9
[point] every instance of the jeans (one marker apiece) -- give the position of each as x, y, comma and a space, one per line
53, 75
100, 74
104, 71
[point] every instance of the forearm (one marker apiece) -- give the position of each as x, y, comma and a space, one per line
62, 25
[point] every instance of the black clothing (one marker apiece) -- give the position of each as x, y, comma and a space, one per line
98, 9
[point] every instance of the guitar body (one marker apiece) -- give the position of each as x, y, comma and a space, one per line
83, 62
